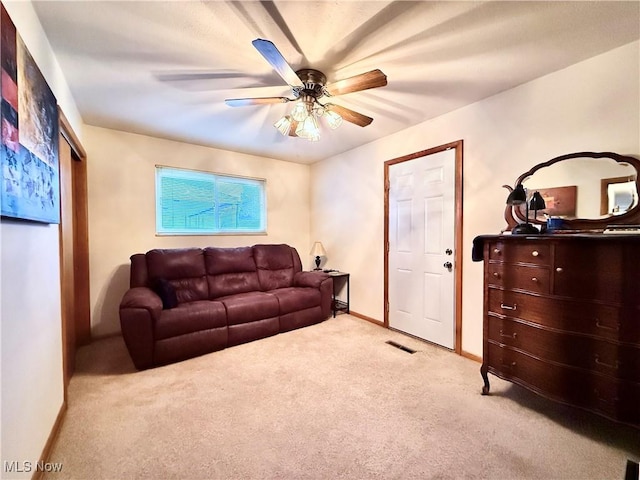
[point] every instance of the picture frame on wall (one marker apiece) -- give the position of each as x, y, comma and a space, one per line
560, 201
30, 180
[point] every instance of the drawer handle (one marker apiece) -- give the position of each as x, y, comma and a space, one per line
512, 335
509, 365
608, 365
615, 328
534, 279
508, 307
496, 274
559, 269
535, 253
496, 251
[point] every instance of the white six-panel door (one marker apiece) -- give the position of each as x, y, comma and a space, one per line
421, 244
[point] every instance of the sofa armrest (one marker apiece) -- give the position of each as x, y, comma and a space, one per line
142, 297
323, 282
309, 279
139, 309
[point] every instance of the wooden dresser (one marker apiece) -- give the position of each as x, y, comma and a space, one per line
562, 318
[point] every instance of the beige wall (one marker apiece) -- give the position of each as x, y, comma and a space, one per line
121, 180
30, 326
593, 105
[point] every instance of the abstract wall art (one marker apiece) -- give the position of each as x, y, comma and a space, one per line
30, 187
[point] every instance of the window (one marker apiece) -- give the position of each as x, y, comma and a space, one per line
190, 202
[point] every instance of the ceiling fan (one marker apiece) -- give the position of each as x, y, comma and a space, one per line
308, 87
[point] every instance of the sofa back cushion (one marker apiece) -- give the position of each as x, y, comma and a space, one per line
183, 268
276, 265
230, 271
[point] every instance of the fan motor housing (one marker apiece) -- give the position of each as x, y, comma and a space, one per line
313, 80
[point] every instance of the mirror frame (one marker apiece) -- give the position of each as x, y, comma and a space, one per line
632, 217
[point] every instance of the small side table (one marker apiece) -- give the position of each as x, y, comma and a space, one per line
340, 280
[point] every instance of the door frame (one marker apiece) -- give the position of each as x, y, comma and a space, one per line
457, 257
75, 296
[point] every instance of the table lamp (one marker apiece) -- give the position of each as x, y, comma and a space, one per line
516, 197
318, 251
536, 203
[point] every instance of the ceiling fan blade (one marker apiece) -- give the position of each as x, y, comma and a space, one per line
364, 81
272, 55
244, 102
349, 115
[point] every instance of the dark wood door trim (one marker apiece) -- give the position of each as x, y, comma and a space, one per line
74, 246
457, 145
67, 130
80, 233
81, 252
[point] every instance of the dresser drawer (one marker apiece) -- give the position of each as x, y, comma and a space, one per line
598, 320
541, 376
597, 271
615, 398
522, 277
617, 361
533, 252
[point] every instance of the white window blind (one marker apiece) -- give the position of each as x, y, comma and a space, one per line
190, 202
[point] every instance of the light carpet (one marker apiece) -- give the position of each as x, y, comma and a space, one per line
328, 401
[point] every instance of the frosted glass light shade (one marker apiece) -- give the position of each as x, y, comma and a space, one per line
283, 125
333, 119
309, 129
299, 112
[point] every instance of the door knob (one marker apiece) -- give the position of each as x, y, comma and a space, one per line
448, 251
448, 265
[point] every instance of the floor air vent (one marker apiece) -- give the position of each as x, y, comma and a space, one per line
400, 346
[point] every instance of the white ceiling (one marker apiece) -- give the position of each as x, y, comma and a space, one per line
165, 68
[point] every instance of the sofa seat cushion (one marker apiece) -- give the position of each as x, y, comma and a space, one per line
190, 317
292, 299
248, 332
249, 307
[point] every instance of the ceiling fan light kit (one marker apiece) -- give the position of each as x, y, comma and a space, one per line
309, 129
303, 123
308, 86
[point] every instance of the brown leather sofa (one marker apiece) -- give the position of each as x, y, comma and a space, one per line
187, 302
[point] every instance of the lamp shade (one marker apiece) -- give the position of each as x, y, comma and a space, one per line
517, 196
308, 129
333, 119
537, 202
299, 112
318, 250
284, 125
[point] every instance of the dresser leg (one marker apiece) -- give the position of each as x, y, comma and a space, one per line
485, 377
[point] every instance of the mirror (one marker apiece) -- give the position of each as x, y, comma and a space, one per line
587, 190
